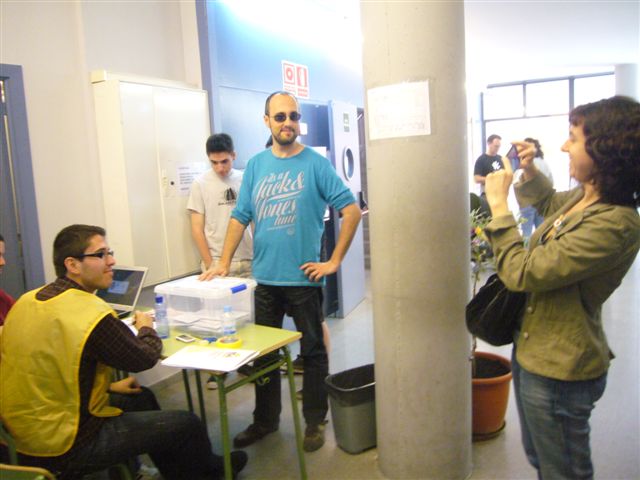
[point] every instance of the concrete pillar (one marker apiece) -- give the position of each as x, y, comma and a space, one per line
627, 80
419, 202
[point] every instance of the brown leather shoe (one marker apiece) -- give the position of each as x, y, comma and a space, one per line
252, 434
313, 438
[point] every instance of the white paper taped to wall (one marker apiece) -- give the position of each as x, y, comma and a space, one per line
186, 174
400, 110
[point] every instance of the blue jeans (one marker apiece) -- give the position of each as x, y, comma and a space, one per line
304, 304
533, 220
554, 421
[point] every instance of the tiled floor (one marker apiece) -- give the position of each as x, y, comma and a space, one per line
615, 422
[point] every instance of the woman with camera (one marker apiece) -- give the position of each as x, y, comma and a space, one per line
575, 260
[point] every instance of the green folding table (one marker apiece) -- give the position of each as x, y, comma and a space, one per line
254, 337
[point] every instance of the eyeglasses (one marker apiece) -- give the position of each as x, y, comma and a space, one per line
281, 117
99, 254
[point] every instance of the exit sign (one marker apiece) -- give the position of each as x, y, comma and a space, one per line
295, 79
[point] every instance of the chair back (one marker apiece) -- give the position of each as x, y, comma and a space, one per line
18, 472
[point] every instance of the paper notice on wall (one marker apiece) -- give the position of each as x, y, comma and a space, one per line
400, 110
186, 174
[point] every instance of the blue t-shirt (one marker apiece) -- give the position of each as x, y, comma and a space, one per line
286, 199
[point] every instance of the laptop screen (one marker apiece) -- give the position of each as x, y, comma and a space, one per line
123, 293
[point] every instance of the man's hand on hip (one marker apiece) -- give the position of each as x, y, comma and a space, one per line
316, 270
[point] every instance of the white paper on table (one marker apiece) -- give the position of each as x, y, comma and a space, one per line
210, 358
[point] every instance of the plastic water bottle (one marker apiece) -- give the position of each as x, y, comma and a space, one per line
229, 331
162, 321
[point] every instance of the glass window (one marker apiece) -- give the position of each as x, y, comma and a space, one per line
503, 102
547, 98
591, 89
551, 132
547, 108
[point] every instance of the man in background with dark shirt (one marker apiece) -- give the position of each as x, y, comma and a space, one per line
488, 162
59, 346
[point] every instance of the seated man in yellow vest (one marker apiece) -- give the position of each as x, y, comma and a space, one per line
59, 345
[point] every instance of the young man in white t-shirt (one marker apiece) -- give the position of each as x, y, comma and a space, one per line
213, 197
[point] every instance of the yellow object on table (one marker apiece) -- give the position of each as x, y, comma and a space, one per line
222, 344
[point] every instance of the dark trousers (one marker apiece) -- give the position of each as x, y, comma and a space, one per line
176, 441
304, 304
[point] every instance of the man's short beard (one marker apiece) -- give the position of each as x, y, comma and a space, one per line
284, 143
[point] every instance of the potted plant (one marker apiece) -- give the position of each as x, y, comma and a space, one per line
491, 373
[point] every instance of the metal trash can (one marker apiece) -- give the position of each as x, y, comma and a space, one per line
352, 398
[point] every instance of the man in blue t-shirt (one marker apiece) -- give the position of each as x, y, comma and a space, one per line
284, 192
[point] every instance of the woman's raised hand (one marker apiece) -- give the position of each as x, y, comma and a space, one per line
526, 153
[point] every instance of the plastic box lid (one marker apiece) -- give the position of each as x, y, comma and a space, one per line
219, 287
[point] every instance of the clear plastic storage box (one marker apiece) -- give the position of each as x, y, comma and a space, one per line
195, 307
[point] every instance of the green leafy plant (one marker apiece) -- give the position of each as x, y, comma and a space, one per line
481, 254
481, 259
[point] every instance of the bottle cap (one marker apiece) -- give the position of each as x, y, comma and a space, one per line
159, 299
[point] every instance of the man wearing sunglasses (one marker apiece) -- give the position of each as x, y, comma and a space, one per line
285, 190
59, 345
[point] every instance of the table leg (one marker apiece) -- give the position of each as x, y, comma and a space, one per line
200, 397
224, 427
295, 413
187, 389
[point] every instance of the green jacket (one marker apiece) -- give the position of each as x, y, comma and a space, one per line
567, 278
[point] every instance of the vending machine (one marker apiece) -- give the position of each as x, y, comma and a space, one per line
333, 130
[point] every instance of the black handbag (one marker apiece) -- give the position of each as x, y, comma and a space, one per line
493, 313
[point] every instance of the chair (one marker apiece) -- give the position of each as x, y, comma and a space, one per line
19, 472
5, 437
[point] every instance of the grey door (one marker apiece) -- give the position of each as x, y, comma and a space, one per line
18, 215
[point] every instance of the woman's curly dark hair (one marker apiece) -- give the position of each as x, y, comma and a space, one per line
612, 130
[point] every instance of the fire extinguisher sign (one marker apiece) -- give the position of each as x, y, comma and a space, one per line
295, 79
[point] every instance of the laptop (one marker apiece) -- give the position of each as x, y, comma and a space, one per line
123, 293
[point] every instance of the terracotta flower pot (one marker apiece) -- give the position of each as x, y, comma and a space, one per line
490, 394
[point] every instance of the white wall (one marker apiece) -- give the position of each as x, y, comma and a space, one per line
518, 40
58, 44
134, 37
521, 40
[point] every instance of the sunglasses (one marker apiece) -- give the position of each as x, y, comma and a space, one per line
281, 117
100, 254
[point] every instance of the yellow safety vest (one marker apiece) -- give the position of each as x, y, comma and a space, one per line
41, 347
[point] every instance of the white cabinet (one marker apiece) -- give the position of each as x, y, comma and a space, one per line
151, 137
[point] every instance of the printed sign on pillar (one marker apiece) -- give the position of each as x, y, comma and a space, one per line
295, 79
